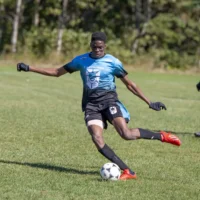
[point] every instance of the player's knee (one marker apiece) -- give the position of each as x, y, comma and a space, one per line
97, 139
126, 134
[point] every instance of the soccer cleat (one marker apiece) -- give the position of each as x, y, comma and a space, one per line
127, 175
170, 138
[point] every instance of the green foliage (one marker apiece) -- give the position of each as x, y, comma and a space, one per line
168, 30
173, 59
117, 48
176, 40
40, 41
75, 42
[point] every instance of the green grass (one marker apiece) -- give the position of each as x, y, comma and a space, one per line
46, 152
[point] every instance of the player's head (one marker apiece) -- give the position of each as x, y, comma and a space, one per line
98, 44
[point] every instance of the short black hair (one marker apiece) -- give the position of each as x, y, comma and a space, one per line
98, 36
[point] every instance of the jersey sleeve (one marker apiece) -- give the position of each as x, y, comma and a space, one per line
119, 72
72, 66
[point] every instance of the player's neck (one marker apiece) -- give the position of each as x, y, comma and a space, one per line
94, 57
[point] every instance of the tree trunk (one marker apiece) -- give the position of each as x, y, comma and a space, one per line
62, 22
147, 10
16, 25
147, 14
36, 19
137, 25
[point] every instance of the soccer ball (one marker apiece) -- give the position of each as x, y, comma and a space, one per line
110, 171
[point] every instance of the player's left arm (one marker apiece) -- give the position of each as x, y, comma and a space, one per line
121, 73
138, 92
134, 89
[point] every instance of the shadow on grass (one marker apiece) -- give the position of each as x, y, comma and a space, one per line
51, 167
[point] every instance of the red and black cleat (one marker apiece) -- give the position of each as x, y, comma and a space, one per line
127, 175
170, 138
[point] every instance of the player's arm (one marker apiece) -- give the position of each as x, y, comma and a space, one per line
44, 71
138, 92
134, 89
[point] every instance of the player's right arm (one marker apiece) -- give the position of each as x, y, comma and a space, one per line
44, 71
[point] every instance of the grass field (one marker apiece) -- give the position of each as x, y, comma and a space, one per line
46, 152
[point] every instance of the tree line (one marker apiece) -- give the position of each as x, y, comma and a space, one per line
167, 31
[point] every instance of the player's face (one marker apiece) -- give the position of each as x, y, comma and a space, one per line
98, 48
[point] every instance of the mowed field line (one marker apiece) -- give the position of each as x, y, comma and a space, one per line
47, 153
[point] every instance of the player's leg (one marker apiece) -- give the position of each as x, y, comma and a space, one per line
138, 133
96, 132
134, 133
95, 124
118, 116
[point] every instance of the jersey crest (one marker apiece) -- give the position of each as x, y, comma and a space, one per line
93, 77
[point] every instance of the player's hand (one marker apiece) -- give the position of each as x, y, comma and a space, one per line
198, 86
22, 67
157, 106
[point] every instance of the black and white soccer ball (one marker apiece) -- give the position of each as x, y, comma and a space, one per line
110, 171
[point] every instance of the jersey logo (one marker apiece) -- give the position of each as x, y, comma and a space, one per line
93, 76
113, 110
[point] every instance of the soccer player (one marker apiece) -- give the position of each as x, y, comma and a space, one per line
198, 88
100, 102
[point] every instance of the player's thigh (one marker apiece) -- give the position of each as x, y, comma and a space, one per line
116, 110
120, 126
118, 116
94, 117
95, 124
96, 131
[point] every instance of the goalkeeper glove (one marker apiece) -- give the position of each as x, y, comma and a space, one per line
22, 67
157, 106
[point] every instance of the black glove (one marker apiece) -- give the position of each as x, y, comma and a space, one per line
22, 67
157, 106
198, 86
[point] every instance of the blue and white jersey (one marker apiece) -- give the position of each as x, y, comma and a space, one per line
98, 76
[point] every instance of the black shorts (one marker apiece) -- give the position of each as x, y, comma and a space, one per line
106, 112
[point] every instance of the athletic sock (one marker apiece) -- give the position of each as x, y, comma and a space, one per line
146, 134
107, 152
